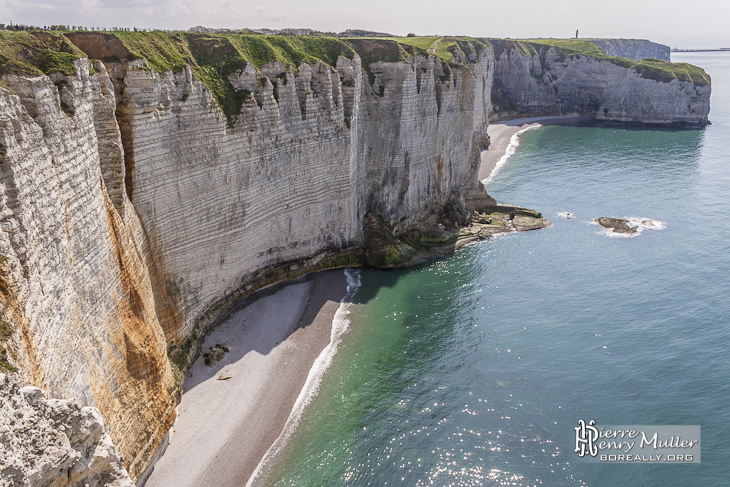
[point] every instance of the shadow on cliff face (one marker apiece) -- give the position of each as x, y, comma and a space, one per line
642, 127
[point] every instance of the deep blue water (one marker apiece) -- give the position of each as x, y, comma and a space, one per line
474, 368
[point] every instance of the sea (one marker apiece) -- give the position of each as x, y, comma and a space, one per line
475, 368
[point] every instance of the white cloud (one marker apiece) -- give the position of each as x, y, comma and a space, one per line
277, 16
537, 18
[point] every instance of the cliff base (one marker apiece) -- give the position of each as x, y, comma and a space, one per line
386, 249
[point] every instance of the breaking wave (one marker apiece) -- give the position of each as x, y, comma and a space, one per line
640, 224
514, 142
340, 325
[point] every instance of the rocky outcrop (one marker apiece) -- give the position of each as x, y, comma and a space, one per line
310, 154
54, 442
76, 284
133, 217
637, 49
137, 203
537, 79
618, 225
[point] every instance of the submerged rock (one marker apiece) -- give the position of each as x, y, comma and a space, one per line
618, 225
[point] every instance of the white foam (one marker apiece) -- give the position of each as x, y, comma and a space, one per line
641, 224
340, 325
514, 142
565, 214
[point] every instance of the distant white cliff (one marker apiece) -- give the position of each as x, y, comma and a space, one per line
133, 210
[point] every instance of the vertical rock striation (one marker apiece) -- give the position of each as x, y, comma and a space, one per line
77, 289
133, 209
537, 79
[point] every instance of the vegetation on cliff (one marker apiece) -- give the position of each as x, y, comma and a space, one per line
214, 57
654, 69
25, 53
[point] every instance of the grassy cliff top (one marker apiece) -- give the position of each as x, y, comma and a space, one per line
46, 53
654, 69
213, 57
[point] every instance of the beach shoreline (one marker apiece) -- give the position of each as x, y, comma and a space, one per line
225, 427
504, 138
227, 431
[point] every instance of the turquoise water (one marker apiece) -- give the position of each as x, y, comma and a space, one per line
474, 368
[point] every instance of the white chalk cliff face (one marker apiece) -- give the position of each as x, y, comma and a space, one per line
548, 85
54, 442
131, 219
633, 48
290, 180
75, 277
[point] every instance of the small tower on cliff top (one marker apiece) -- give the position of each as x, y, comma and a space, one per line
576, 33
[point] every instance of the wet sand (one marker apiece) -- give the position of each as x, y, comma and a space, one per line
225, 427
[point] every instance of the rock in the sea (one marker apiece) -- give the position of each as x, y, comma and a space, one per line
224, 376
137, 204
54, 442
618, 225
500, 219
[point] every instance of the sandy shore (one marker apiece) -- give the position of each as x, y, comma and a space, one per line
225, 427
501, 138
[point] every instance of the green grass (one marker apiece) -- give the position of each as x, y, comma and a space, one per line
4, 365
23, 53
422, 43
228, 53
213, 58
654, 69
5, 330
441, 47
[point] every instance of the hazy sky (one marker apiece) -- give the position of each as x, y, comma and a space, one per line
683, 23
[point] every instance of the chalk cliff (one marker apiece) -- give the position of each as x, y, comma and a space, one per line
137, 202
54, 442
75, 273
636, 49
534, 78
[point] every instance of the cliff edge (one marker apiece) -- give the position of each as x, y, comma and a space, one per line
148, 180
542, 77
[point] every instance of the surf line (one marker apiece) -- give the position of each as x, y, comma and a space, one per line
340, 325
514, 142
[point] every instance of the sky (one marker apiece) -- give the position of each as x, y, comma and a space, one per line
699, 23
